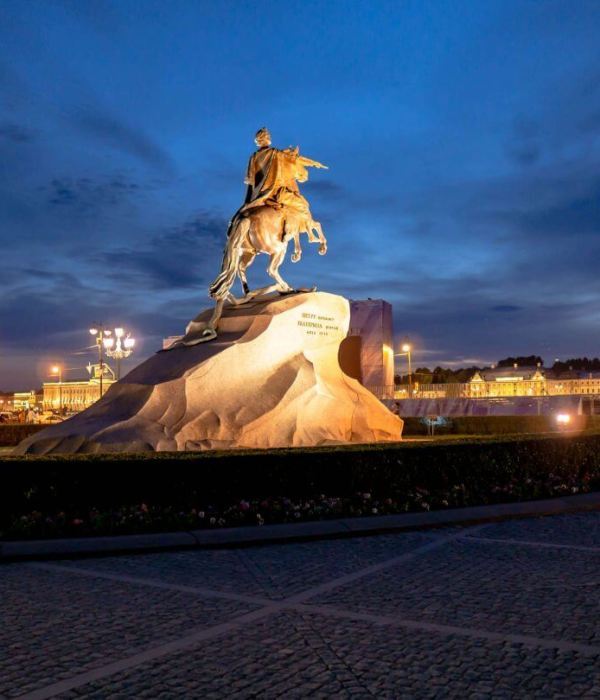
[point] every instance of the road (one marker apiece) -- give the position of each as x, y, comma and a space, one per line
497, 611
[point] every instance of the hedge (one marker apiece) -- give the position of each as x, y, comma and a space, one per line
115, 493
498, 425
12, 433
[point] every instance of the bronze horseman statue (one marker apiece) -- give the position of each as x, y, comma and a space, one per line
273, 214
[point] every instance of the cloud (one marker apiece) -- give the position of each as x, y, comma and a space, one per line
87, 194
15, 133
506, 308
179, 258
579, 216
523, 146
123, 137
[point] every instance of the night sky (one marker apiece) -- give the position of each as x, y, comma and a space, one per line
463, 140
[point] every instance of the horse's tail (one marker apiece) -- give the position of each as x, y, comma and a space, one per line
225, 279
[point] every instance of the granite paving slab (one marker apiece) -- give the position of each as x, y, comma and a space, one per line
551, 593
273, 571
55, 625
291, 655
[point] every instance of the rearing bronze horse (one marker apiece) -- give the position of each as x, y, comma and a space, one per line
274, 214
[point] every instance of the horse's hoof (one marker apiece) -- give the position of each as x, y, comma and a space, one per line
322, 249
284, 292
208, 334
295, 258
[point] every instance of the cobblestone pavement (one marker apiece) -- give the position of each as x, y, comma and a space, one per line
508, 610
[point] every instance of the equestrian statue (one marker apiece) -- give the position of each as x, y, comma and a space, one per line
273, 214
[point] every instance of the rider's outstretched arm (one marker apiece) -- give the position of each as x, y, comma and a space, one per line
308, 162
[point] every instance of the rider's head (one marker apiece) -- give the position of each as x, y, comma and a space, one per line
263, 137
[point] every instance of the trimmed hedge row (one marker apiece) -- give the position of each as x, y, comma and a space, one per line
403, 476
12, 433
498, 425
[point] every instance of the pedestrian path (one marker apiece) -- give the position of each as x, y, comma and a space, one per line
500, 610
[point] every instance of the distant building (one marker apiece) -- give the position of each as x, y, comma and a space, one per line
24, 400
507, 381
79, 394
530, 381
368, 352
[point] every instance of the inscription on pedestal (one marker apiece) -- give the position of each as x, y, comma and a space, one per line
316, 324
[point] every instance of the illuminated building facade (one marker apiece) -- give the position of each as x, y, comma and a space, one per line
24, 400
79, 394
509, 382
531, 381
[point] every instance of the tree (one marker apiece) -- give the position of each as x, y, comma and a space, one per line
521, 361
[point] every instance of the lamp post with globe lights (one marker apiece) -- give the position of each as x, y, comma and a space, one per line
103, 341
120, 347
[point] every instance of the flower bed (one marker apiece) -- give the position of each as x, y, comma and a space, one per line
119, 494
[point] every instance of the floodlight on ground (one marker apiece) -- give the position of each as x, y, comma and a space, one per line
563, 418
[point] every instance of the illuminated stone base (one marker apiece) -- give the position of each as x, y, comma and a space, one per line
270, 379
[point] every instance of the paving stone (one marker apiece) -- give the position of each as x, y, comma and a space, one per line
550, 593
578, 529
56, 625
273, 571
489, 669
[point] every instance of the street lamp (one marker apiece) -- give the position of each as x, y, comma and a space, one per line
406, 350
119, 349
56, 370
101, 336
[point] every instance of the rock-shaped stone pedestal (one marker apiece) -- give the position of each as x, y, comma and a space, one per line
270, 379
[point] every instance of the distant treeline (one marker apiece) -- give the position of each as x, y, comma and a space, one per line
444, 375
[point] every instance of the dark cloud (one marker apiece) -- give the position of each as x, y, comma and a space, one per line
506, 308
15, 133
325, 188
181, 257
102, 15
523, 146
87, 194
122, 136
573, 217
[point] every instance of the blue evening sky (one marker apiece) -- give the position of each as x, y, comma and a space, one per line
463, 140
